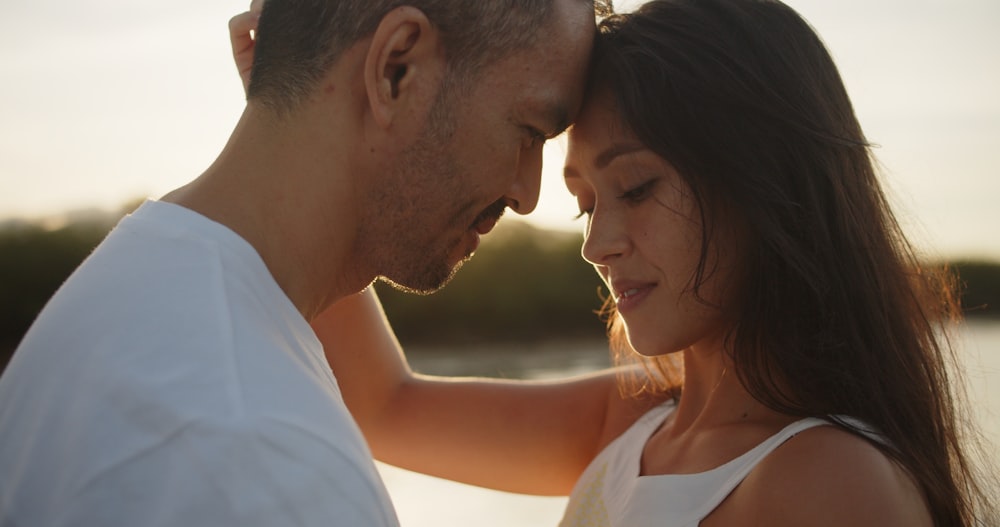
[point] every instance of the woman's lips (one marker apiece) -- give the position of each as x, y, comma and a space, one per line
629, 294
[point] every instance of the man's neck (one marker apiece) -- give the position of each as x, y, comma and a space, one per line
294, 208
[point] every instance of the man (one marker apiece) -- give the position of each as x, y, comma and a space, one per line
174, 379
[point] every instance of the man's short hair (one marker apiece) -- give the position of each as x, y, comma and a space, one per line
299, 40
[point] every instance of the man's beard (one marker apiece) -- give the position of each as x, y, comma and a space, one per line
429, 282
398, 235
437, 273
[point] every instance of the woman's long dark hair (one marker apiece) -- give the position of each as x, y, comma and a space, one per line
837, 316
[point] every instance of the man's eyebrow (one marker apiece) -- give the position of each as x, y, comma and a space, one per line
558, 116
618, 149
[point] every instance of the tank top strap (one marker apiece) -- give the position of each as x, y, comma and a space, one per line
738, 469
625, 452
636, 436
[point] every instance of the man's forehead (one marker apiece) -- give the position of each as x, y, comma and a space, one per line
550, 110
547, 79
556, 99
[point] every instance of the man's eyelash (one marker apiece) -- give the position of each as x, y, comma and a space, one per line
537, 136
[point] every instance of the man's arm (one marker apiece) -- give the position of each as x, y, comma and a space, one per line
517, 436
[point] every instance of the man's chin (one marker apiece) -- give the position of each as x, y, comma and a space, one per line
427, 283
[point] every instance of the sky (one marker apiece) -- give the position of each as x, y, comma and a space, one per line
106, 101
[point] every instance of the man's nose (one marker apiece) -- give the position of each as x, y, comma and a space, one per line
522, 197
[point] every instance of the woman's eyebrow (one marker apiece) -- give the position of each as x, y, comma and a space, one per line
618, 149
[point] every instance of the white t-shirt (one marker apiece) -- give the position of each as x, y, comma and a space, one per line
170, 381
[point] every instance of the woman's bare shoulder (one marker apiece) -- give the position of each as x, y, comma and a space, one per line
827, 476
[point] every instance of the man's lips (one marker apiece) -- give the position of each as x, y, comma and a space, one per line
485, 225
488, 218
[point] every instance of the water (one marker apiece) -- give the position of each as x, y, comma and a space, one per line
423, 501
982, 353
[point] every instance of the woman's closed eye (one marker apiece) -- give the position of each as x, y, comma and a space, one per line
586, 207
639, 193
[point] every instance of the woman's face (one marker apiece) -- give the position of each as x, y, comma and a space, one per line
644, 237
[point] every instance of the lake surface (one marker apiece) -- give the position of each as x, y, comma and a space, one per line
422, 501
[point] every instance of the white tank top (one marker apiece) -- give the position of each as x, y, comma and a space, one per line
611, 493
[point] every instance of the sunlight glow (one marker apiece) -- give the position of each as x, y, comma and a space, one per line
104, 101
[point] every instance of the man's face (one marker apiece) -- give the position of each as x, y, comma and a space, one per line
480, 152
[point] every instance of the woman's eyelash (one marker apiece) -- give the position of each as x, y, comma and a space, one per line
638, 193
633, 195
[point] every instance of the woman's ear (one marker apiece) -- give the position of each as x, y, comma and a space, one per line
405, 61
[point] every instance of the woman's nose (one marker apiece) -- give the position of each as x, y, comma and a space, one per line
606, 237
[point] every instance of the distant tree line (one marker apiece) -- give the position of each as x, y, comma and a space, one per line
34, 262
525, 284
979, 288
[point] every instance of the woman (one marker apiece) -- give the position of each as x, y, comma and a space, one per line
756, 271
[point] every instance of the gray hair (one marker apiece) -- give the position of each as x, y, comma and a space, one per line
299, 40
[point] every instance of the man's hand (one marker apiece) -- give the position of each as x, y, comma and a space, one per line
242, 29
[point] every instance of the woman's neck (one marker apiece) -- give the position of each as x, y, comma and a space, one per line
713, 394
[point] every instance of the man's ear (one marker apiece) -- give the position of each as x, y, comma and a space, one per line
405, 57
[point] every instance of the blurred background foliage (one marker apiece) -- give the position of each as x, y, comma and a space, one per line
524, 285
